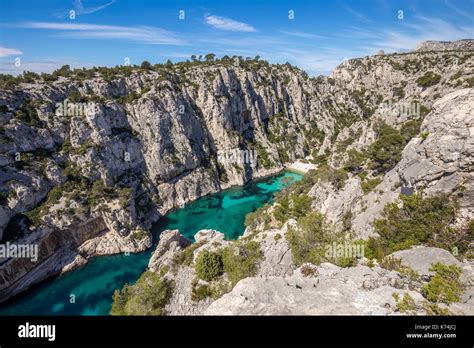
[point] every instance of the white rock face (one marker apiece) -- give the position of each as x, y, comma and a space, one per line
440, 164
331, 291
421, 259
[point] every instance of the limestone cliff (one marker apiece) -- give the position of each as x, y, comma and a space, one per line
125, 145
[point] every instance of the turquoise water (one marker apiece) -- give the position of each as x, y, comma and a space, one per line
92, 285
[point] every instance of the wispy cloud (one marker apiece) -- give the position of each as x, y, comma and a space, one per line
143, 34
459, 11
302, 34
6, 52
224, 23
359, 15
80, 9
427, 28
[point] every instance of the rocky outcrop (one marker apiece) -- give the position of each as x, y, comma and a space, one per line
460, 45
439, 161
171, 242
421, 259
329, 291
279, 288
57, 251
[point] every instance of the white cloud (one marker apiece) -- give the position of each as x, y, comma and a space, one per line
81, 10
228, 24
302, 34
5, 52
143, 34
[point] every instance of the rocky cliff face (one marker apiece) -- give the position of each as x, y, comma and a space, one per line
125, 145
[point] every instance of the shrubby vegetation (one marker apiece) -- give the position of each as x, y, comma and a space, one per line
369, 185
308, 242
80, 189
385, 152
444, 286
237, 261
405, 304
428, 79
419, 221
258, 216
241, 259
186, 256
27, 113
214, 290
148, 296
208, 265
291, 206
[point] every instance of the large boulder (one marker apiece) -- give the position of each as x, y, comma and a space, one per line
421, 259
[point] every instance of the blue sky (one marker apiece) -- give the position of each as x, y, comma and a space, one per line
321, 34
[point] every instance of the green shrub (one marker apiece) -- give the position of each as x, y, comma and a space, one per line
208, 265
291, 206
386, 151
410, 273
200, 292
434, 309
406, 304
424, 110
391, 263
445, 285
355, 161
27, 113
410, 129
263, 157
148, 296
257, 217
241, 260
308, 242
470, 81
72, 171
369, 185
418, 221
185, 257
428, 79
35, 215
346, 261
125, 194
398, 92
336, 177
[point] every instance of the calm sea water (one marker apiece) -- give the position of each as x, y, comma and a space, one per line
93, 285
